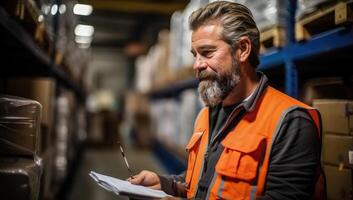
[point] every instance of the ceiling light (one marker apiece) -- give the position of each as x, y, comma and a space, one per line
54, 9
40, 18
82, 9
83, 40
84, 30
45, 9
62, 8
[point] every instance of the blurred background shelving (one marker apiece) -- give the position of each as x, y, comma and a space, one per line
121, 70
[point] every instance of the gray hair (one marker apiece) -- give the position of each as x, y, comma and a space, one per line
236, 20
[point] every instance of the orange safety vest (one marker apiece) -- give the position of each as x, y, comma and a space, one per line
241, 170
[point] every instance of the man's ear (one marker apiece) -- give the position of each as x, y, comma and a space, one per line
243, 49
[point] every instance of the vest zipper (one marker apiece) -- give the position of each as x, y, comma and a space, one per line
229, 119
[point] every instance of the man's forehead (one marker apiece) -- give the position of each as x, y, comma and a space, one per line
208, 28
204, 31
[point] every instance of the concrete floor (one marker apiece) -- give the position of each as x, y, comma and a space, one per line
109, 162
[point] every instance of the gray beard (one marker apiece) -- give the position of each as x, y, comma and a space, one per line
213, 92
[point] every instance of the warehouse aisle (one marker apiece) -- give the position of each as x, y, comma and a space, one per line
109, 162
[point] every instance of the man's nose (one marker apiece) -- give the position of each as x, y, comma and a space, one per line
199, 64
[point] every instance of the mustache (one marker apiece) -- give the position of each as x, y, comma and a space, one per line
202, 75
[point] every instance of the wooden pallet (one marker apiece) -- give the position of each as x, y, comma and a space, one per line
272, 38
324, 19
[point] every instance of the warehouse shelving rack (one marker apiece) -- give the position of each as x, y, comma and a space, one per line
21, 56
18, 48
334, 40
334, 46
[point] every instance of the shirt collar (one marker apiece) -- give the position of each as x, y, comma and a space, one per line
250, 103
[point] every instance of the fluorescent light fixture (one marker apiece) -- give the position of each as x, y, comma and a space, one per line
45, 9
83, 40
83, 9
84, 30
62, 8
54, 9
40, 18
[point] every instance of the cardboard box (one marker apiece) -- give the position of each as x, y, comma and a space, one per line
39, 89
339, 183
325, 88
20, 178
335, 149
337, 115
19, 126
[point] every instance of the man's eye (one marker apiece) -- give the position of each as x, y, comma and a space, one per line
207, 53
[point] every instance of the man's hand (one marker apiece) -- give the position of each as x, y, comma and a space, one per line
147, 179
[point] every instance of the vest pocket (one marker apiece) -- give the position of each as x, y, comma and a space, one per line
237, 167
240, 159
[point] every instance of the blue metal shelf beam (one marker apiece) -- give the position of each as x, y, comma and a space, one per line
329, 41
326, 42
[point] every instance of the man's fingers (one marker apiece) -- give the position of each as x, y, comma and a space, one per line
137, 179
146, 178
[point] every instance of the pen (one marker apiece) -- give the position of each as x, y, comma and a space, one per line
125, 159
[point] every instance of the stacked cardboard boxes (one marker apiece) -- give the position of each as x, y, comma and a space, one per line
20, 178
42, 90
20, 165
337, 151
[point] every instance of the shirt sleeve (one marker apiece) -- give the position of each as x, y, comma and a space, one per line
173, 184
294, 159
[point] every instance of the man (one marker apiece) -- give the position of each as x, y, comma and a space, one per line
250, 141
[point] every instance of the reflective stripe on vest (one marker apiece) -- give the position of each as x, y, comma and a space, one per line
241, 170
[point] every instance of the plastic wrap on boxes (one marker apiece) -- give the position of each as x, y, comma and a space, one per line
308, 6
162, 68
164, 120
20, 178
267, 13
19, 126
187, 114
186, 57
180, 37
176, 35
143, 74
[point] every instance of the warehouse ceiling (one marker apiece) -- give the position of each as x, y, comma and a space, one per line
122, 23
